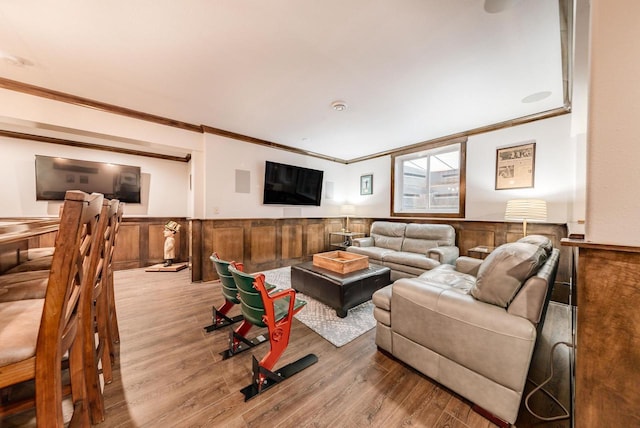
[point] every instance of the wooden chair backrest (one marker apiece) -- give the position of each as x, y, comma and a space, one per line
78, 242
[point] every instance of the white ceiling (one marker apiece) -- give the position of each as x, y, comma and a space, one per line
409, 70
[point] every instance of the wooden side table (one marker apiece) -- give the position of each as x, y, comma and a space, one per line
346, 239
480, 252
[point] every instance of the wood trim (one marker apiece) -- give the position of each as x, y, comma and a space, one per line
65, 142
581, 243
97, 105
252, 140
462, 192
607, 353
566, 109
123, 111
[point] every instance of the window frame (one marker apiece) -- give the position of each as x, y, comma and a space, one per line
462, 185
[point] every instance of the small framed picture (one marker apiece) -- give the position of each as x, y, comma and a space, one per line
366, 184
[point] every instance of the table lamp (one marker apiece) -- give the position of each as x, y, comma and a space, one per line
347, 210
526, 210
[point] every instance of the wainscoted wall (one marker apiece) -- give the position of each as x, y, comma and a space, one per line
140, 242
260, 244
263, 244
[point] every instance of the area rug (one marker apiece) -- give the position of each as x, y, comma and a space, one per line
321, 318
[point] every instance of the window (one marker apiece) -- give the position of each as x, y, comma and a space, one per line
430, 180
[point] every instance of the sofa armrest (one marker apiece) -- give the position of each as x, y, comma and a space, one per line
362, 242
447, 254
468, 265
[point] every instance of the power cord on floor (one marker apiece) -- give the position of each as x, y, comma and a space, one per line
547, 393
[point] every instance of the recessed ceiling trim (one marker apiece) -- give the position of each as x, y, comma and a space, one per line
26, 88
252, 140
480, 130
65, 142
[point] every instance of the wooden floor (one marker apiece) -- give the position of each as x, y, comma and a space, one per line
170, 373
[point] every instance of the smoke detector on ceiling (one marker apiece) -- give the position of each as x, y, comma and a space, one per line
339, 105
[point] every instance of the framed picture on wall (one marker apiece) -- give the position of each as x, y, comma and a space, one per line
366, 184
515, 166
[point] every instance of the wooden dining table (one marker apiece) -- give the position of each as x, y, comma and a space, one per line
17, 236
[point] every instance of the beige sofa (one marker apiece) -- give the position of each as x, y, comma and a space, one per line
472, 327
408, 249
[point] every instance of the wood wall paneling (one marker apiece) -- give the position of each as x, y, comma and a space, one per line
127, 252
315, 238
140, 242
468, 239
228, 242
291, 241
195, 249
608, 339
263, 244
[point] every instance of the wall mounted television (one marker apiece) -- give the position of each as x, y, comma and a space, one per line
54, 176
291, 185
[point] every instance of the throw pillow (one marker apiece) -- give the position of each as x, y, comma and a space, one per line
505, 270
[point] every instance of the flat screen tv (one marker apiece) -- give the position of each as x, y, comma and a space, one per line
54, 176
291, 185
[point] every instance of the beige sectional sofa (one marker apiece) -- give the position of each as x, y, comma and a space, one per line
408, 249
472, 327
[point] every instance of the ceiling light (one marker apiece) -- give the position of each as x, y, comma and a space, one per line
538, 96
339, 105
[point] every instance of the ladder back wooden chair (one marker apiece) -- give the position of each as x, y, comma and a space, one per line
114, 332
36, 333
96, 340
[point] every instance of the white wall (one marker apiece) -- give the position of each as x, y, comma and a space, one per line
223, 156
164, 183
613, 159
554, 179
555, 173
169, 191
205, 188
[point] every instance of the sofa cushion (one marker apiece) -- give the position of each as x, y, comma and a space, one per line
539, 240
447, 274
502, 273
410, 259
374, 253
20, 331
419, 238
387, 234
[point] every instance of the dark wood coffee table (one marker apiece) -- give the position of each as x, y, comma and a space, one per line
340, 292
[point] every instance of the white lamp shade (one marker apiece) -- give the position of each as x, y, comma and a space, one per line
348, 210
526, 209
